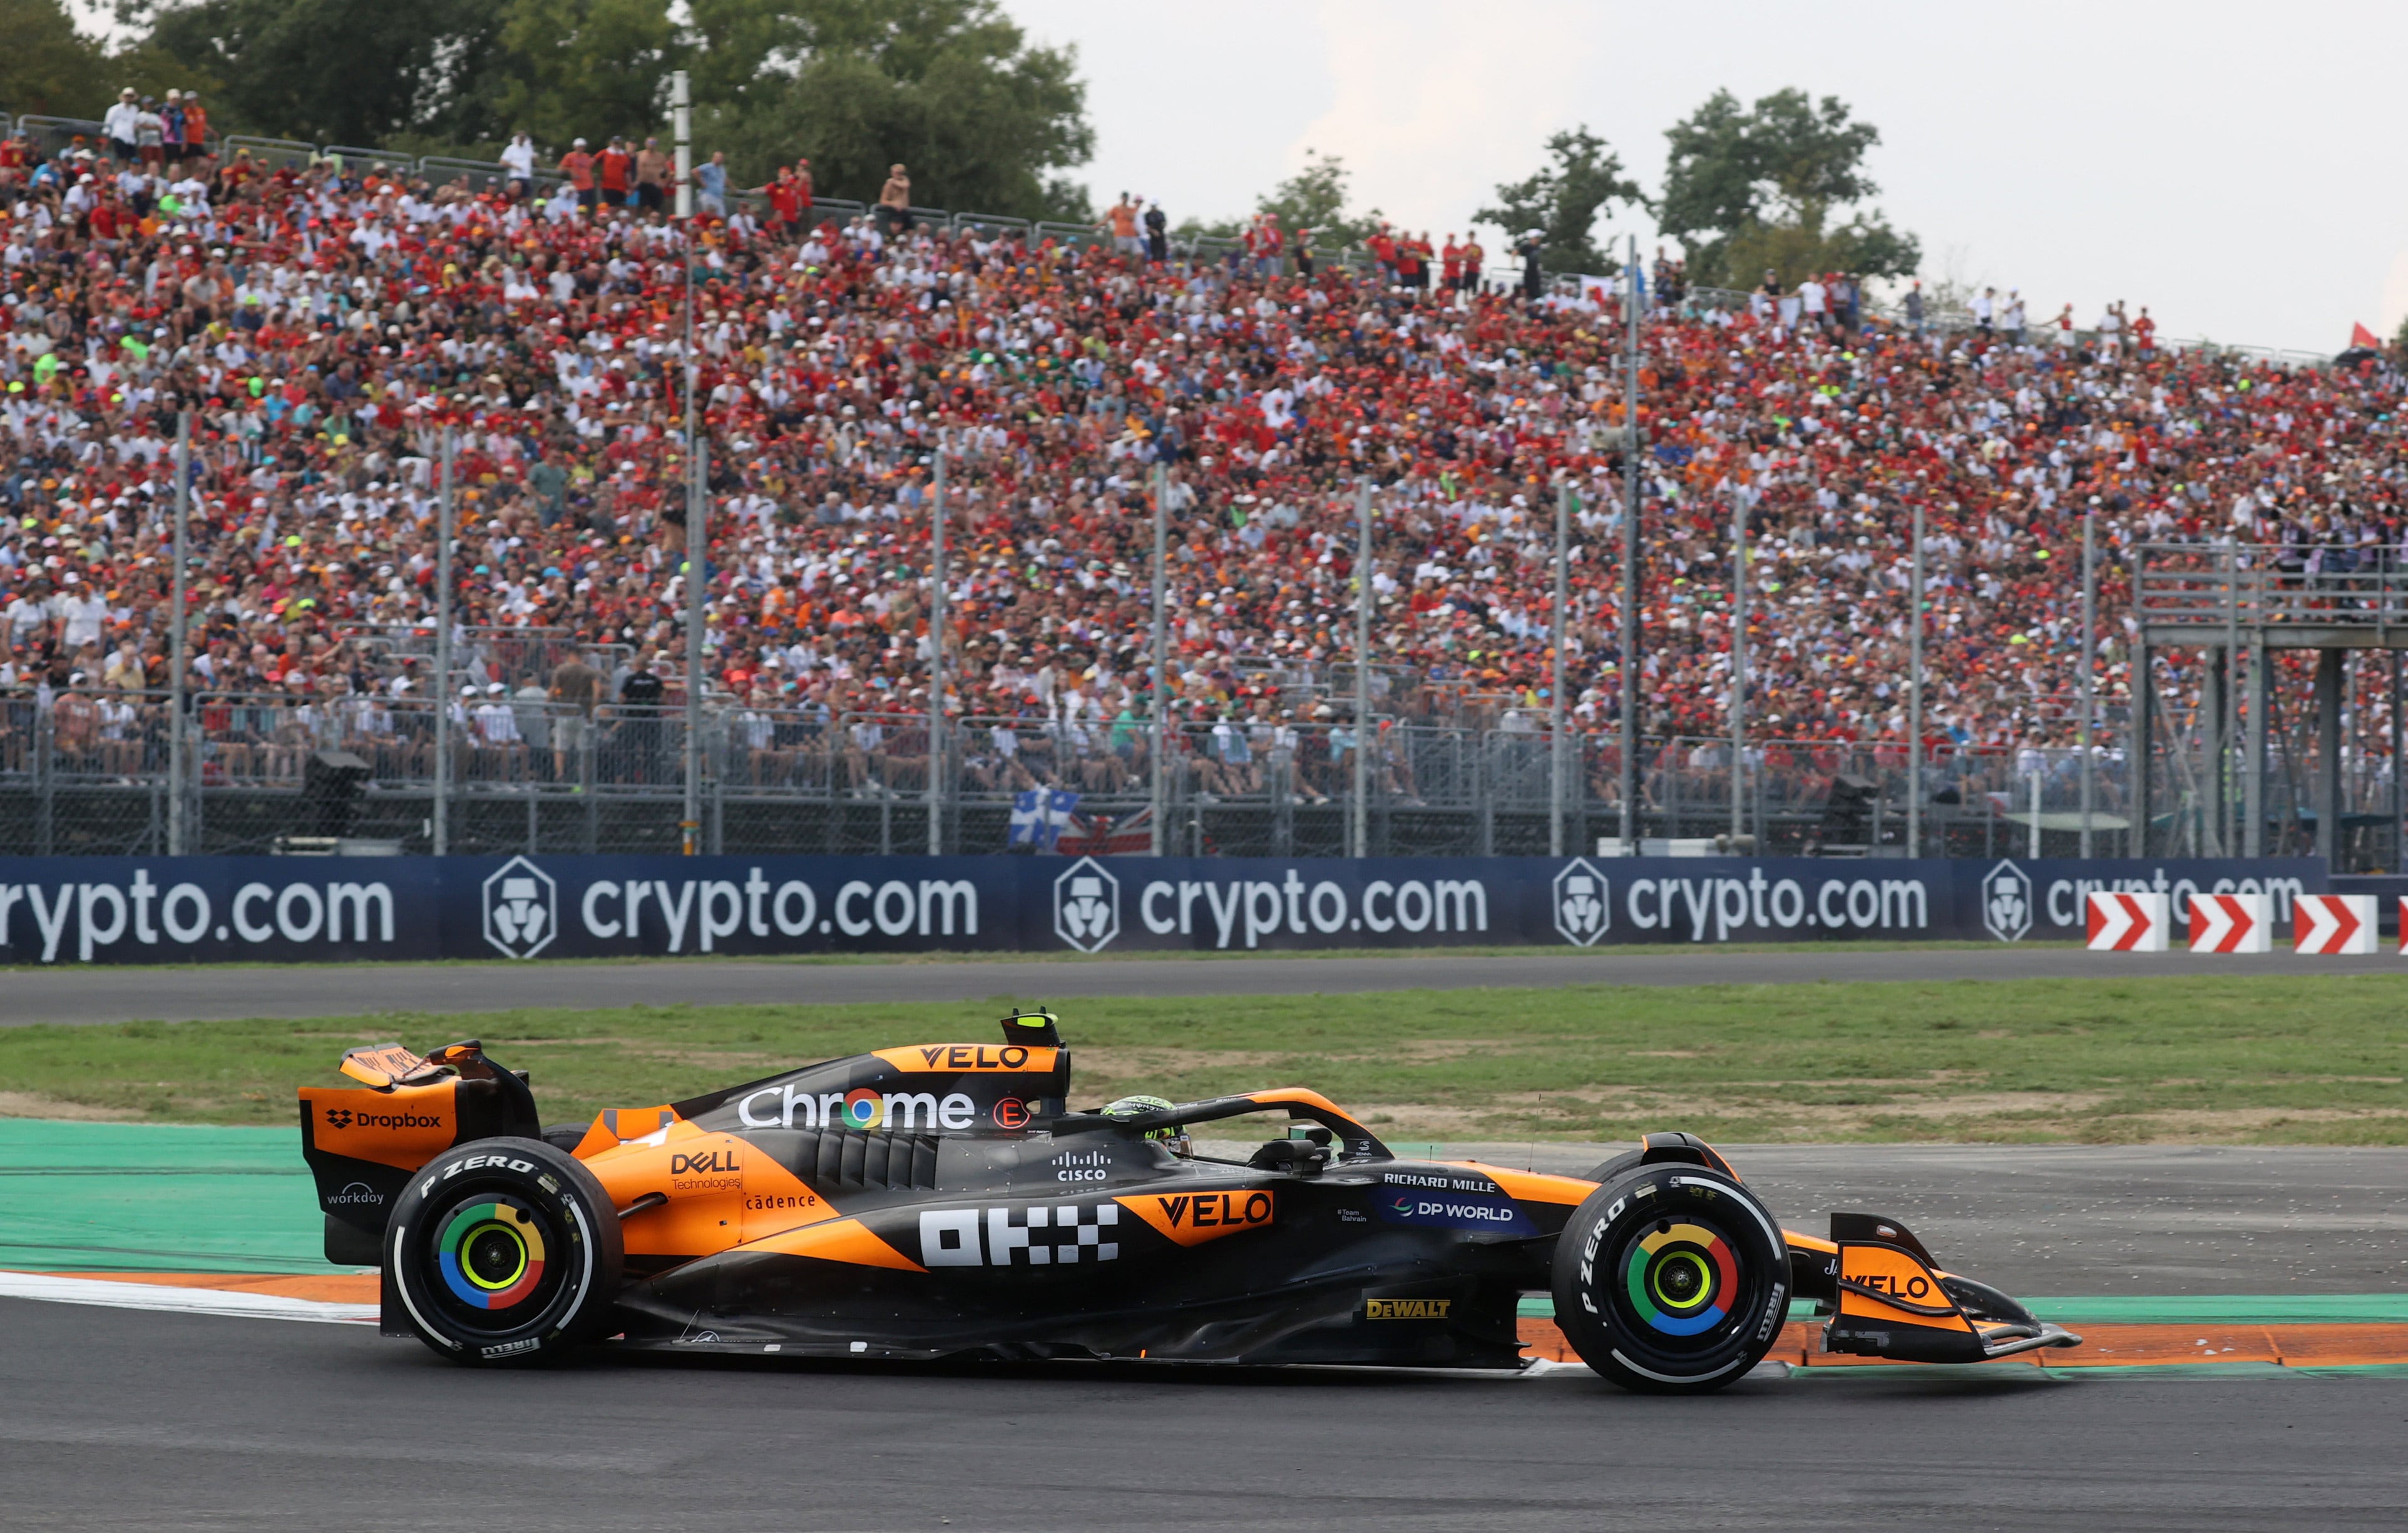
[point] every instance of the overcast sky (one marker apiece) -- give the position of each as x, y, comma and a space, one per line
2236, 170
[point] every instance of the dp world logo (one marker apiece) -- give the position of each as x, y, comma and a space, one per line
1087, 906
1582, 911
2007, 902
522, 909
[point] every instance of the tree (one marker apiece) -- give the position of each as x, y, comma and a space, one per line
1562, 200
952, 88
362, 72
49, 67
1756, 186
588, 68
1313, 198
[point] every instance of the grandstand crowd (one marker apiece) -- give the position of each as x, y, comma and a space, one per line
325, 323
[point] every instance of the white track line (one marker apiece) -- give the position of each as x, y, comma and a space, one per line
148, 1296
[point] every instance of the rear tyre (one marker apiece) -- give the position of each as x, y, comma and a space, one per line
1671, 1280
502, 1251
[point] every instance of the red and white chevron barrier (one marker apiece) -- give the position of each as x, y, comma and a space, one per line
2336, 924
2231, 924
2128, 922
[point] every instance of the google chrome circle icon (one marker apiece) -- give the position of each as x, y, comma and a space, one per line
863, 1109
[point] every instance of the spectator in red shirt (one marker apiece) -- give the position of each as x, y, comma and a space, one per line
612, 169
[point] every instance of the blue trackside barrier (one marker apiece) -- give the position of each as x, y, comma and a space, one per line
315, 910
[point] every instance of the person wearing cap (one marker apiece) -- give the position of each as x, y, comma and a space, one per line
123, 125
612, 167
171, 119
196, 127
577, 165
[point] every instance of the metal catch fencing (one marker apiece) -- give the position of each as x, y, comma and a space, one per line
90, 773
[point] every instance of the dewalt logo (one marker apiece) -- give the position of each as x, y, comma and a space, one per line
1406, 1308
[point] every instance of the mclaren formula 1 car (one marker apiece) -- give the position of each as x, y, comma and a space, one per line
945, 1200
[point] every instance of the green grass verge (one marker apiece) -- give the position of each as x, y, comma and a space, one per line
2262, 1059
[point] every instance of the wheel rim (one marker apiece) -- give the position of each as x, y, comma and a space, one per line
1681, 1279
495, 1252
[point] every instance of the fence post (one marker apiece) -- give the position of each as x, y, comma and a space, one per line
441, 691
177, 622
1362, 822
937, 654
45, 784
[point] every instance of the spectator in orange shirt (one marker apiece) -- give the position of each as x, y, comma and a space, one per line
577, 167
1121, 218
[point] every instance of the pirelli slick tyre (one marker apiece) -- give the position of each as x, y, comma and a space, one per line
1672, 1278
502, 1251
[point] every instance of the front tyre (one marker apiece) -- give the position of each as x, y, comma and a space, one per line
502, 1251
1672, 1278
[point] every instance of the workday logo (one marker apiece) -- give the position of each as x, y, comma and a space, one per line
1087, 906
1582, 910
522, 909
2007, 902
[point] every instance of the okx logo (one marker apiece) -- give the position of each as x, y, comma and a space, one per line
1583, 906
1087, 906
522, 909
2007, 902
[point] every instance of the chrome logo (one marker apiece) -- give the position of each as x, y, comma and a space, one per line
863, 1109
1681, 1279
492, 1254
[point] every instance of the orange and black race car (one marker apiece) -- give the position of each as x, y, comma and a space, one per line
943, 1201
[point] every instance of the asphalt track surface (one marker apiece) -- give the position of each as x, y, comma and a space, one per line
2087, 1220
121, 1419
185, 994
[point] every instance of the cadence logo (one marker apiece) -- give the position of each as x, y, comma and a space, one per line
1087, 906
522, 909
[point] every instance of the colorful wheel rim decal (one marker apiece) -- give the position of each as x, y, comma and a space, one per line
1662, 1256
863, 1109
468, 1226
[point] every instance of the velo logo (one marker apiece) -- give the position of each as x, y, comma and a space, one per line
522, 909
1584, 907
1087, 906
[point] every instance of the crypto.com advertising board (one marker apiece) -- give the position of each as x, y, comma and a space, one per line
295, 909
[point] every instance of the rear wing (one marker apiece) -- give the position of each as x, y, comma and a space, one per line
362, 1142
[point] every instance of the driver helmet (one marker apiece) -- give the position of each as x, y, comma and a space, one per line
1172, 1135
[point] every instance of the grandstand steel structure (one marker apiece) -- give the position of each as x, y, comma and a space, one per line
2241, 606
